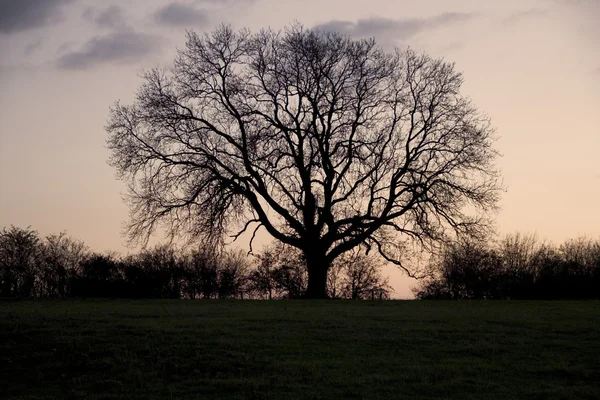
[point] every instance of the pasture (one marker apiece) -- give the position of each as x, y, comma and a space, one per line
178, 349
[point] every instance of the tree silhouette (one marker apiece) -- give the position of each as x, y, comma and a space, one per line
362, 277
19, 256
516, 267
60, 257
326, 142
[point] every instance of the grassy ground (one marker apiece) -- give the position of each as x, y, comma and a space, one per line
102, 349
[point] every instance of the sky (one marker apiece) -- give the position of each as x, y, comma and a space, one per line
532, 66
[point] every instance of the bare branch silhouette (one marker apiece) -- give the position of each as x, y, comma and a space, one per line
328, 143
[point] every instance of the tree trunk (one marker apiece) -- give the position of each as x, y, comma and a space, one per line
317, 277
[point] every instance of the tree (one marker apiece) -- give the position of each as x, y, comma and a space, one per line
155, 273
99, 275
59, 261
326, 142
280, 272
233, 274
464, 270
19, 257
290, 273
362, 277
516, 267
203, 278
261, 278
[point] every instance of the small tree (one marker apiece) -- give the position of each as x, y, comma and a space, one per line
203, 278
155, 273
99, 275
232, 274
19, 258
463, 270
362, 278
519, 267
335, 279
280, 272
326, 142
261, 279
60, 257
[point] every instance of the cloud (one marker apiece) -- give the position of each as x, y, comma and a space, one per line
525, 14
23, 15
179, 14
32, 47
396, 28
116, 47
109, 17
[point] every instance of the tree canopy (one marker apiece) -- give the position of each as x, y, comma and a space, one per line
327, 142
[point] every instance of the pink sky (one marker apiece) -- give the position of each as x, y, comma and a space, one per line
532, 66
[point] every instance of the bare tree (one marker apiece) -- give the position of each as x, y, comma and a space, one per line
203, 275
290, 272
280, 272
233, 274
584, 253
326, 142
155, 273
60, 257
335, 277
19, 257
361, 277
261, 279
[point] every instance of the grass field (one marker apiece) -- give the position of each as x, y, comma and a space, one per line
113, 349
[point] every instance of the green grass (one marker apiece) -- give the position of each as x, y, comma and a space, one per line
113, 349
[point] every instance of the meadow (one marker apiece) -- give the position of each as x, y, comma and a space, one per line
186, 349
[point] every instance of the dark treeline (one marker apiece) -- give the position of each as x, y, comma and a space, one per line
59, 266
517, 267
